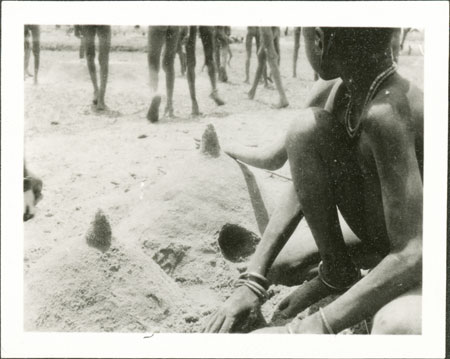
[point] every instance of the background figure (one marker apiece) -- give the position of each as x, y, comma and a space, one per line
181, 48
395, 43
104, 38
252, 33
297, 34
157, 37
207, 38
32, 193
35, 33
398, 40
78, 32
405, 31
222, 50
269, 50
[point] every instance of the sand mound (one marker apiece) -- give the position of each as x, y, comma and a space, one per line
119, 290
163, 270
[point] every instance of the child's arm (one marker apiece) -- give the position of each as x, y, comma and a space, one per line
272, 157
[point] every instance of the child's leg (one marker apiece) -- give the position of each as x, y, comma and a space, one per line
207, 37
297, 33
82, 47
172, 36
27, 49
156, 39
259, 72
191, 62
320, 158
104, 37
36, 37
89, 33
276, 42
272, 58
248, 53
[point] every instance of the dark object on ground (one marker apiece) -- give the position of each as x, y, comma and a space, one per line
237, 243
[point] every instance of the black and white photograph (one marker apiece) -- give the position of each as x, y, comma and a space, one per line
259, 174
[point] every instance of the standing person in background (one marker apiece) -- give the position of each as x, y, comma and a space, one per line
252, 33
208, 41
104, 44
33, 31
222, 50
269, 51
157, 37
297, 34
78, 32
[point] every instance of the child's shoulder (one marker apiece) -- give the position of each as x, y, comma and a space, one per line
395, 106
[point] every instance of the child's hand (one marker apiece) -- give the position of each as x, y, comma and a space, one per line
234, 311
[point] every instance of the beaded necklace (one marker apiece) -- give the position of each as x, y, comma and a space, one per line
370, 94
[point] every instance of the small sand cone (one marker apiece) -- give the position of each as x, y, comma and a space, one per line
99, 234
210, 142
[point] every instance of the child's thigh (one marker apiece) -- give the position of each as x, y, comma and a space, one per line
403, 315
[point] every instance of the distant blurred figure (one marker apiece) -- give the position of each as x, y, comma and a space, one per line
207, 36
32, 193
398, 41
159, 36
406, 31
297, 34
181, 48
395, 43
104, 44
270, 51
79, 33
222, 50
34, 32
252, 33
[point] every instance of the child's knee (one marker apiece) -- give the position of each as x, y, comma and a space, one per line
402, 316
396, 325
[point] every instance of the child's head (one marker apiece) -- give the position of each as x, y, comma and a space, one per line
329, 49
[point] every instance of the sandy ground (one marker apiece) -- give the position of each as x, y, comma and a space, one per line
166, 202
